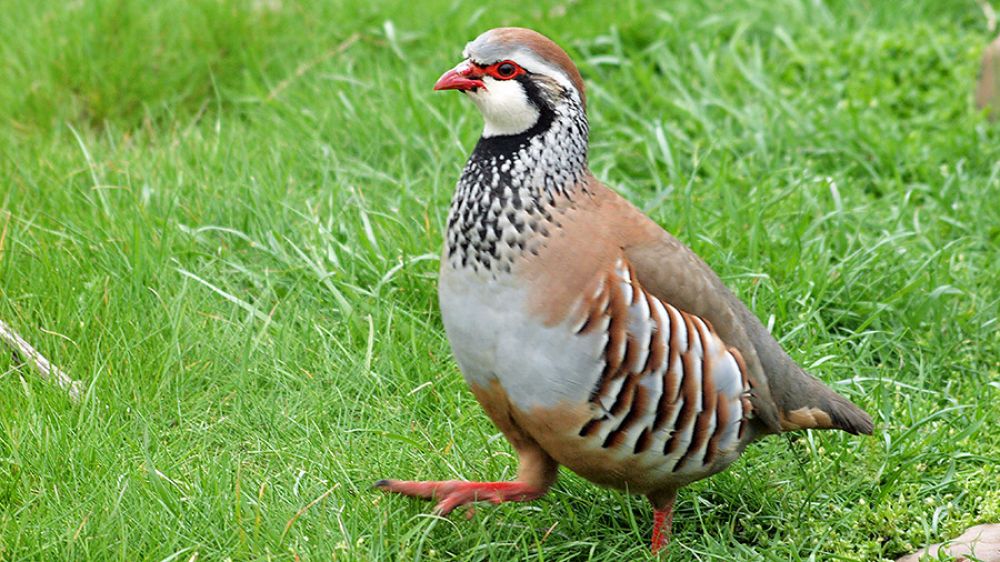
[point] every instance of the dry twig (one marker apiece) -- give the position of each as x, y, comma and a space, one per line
39, 362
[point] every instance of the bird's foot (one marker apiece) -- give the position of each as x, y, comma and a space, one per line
453, 493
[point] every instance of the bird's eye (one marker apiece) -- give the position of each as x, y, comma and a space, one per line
506, 70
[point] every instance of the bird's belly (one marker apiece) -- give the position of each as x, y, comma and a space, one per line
495, 337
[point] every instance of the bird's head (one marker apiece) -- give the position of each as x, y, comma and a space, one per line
516, 77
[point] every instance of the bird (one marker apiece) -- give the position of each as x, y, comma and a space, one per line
593, 338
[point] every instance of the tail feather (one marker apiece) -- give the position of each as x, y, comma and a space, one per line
802, 401
815, 406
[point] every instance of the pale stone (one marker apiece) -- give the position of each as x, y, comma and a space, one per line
981, 541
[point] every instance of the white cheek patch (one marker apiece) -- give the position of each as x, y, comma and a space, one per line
505, 107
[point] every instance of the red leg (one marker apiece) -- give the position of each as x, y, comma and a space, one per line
453, 493
536, 470
663, 520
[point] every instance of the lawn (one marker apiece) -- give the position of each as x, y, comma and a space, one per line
224, 217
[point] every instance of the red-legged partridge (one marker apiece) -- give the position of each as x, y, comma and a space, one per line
592, 337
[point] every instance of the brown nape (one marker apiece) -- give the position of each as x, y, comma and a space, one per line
546, 49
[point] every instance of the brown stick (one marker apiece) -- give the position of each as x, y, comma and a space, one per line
39, 362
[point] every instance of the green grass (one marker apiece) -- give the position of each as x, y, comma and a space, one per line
824, 157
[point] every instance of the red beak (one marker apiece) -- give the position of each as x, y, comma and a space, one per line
462, 78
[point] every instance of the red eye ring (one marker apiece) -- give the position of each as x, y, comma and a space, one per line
504, 70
